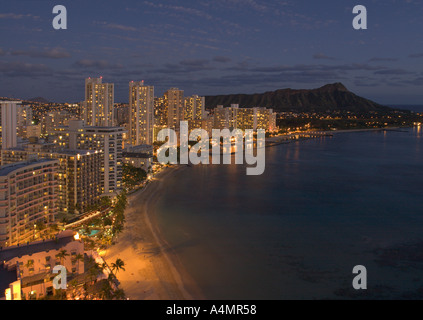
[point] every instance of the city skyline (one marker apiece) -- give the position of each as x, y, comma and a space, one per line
212, 47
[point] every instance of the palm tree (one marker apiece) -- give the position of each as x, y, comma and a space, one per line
40, 227
87, 229
62, 255
111, 277
118, 265
105, 202
106, 292
94, 270
79, 257
54, 229
119, 294
118, 228
74, 286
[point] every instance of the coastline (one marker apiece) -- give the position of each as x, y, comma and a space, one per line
152, 270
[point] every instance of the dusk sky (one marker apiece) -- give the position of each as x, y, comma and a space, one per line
209, 47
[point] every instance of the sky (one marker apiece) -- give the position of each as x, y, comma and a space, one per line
210, 47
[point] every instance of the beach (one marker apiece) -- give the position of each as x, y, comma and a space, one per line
152, 270
243, 248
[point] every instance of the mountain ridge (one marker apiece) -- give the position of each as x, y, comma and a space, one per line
330, 97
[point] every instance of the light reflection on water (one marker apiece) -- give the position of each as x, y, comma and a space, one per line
322, 207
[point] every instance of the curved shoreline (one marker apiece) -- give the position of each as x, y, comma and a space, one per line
152, 269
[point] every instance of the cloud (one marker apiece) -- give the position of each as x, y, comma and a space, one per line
261, 8
116, 26
321, 56
17, 16
96, 64
380, 59
55, 53
195, 63
416, 55
184, 67
22, 69
222, 59
342, 68
414, 82
392, 72
180, 9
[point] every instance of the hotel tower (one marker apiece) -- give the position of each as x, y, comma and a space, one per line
98, 104
141, 113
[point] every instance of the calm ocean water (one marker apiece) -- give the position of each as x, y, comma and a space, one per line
322, 207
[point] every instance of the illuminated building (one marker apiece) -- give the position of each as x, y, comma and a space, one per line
27, 199
174, 104
99, 102
141, 110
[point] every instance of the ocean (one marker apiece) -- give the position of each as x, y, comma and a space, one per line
322, 207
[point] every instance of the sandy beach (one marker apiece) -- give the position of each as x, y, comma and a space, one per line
152, 269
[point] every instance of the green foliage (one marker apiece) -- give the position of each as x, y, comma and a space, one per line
132, 176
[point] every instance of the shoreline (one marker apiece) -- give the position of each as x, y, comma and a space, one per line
152, 269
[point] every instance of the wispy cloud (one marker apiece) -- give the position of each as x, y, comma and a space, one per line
97, 64
222, 59
115, 26
381, 59
416, 55
17, 16
21, 69
321, 56
53, 53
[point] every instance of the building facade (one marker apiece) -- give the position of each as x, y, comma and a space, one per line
29, 267
27, 200
99, 102
9, 117
195, 108
244, 118
106, 140
141, 110
174, 105
78, 175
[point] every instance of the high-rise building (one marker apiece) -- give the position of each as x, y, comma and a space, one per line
55, 119
174, 101
78, 175
225, 118
194, 108
9, 123
244, 118
106, 140
160, 112
99, 102
24, 120
141, 110
27, 200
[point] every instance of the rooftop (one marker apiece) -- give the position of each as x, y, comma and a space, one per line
7, 169
61, 240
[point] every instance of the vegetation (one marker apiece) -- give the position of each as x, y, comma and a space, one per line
132, 176
62, 255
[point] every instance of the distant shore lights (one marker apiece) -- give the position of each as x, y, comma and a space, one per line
230, 143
